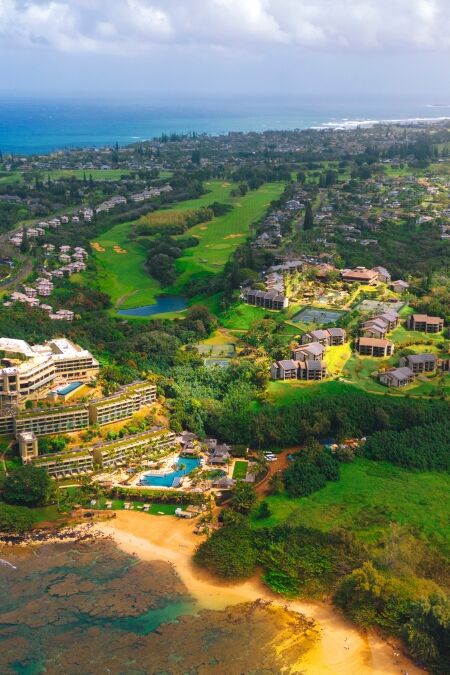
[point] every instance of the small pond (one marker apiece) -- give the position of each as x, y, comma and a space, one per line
163, 304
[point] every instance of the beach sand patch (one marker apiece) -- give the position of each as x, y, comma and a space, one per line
96, 246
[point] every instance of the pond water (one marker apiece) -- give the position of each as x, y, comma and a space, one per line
163, 304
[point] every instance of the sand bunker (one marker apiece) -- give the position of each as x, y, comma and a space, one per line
234, 236
119, 249
96, 246
203, 227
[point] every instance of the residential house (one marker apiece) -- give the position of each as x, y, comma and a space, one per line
383, 274
399, 286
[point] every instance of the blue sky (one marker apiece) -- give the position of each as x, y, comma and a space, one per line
227, 47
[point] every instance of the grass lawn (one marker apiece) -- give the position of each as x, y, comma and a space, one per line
359, 371
242, 316
240, 470
370, 496
45, 514
401, 335
285, 393
336, 358
118, 505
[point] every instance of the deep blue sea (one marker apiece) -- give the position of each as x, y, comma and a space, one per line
37, 126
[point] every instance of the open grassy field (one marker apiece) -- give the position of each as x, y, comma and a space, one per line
286, 393
120, 262
241, 317
369, 496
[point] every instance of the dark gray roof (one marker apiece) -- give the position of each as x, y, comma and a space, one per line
336, 332
420, 358
313, 348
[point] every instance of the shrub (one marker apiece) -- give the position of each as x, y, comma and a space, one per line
28, 485
15, 519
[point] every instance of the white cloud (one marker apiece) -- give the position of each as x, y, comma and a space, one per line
127, 26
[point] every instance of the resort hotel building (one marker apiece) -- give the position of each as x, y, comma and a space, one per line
27, 372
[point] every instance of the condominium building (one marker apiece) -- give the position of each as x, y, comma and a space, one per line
368, 346
119, 452
66, 464
420, 363
52, 420
266, 299
123, 404
425, 323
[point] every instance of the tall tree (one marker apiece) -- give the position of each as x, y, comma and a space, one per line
308, 222
25, 245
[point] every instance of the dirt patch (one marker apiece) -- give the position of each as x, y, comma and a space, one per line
96, 246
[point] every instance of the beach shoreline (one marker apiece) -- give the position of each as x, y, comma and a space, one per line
342, 649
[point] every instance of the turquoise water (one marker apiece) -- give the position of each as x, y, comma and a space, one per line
184, 467
163, 305
36, 125
69, 388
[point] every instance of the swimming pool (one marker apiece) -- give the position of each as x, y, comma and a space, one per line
68, 388
184, 467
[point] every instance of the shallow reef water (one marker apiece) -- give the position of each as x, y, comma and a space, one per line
90, 608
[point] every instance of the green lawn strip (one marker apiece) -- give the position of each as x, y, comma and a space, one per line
97, 174
240, 470
370, 496
118, 505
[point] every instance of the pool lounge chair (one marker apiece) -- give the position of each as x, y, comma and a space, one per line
127, 505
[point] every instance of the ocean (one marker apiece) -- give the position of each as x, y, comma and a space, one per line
30, 126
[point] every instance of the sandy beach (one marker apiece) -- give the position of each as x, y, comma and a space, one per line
341, 650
